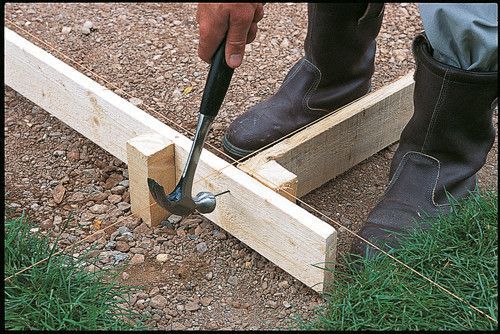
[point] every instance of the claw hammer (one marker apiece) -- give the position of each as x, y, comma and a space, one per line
179, 201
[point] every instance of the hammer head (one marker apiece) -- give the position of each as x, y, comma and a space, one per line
179, 203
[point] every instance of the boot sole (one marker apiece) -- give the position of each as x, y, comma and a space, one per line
234, 151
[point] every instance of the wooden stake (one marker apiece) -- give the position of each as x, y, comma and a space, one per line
150, 155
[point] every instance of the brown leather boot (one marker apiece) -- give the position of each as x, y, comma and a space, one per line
440, 150
337, 69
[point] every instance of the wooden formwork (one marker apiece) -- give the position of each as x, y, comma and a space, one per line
260, 208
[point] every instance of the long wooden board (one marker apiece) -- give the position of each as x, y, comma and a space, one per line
275, 227
338, 142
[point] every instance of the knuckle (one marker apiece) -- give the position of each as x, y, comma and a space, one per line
237, 44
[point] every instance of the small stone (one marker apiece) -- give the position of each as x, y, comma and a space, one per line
76, 197
167, 224
205, 301
233, 280
131, 222
127, 236
35, 206
57, 220
176, 326
99, 208
198, 230
123, 206
174, 219
176, 22
113, 199
84, 223
118, 190
221, 236
137, 250
154, 291
53, 183
162, 257
58, 193
179, 307
287, 304
66, 30
192, 306
34, 229
135, 101
272, 304
122, 230
47, 224
59, 153
98, 197
158, 302
124, 183
209, 275
119, 257
202, 247
91, 268
283, 284
73, 155
125, 275
88, 24
89, 172
137, 259
142, 229
122, 246
110, 245
113, 180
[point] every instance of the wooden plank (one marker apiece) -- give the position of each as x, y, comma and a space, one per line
150, 155
273, 175
355, 132
278, 229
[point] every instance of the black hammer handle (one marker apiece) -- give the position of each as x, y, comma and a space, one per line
217, 83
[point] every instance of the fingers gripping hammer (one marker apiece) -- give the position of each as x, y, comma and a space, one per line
179, 201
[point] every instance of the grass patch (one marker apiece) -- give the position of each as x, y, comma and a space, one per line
59, 294
459, 252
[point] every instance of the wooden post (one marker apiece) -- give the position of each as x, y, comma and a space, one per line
149, 155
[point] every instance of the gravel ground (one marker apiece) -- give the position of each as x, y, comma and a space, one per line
196, 276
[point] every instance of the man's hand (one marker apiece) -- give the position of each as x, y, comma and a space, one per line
239, 20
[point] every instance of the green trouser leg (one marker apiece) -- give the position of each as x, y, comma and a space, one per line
463, 35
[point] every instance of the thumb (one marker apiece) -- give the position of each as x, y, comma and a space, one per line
236, 40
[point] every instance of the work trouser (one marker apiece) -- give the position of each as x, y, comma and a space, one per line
463, 35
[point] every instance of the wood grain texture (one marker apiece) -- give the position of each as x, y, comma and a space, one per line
150, 156
338, 142
273, 175
281, 231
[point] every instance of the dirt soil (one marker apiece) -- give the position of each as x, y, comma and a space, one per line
193, 274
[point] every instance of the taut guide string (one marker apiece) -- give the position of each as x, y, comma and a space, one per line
235, 162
